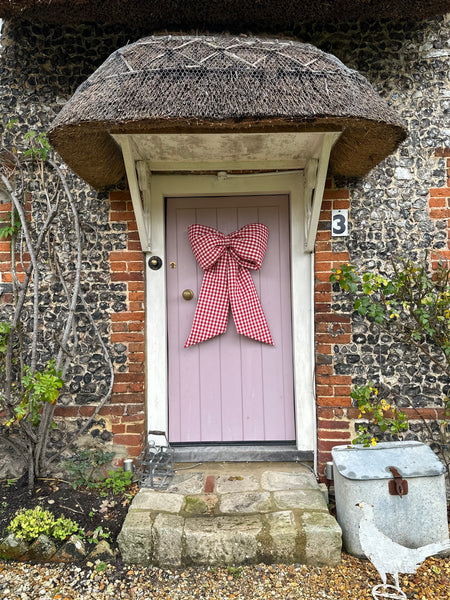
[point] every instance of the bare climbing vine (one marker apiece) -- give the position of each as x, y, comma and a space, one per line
36, 355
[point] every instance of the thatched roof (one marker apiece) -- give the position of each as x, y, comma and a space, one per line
222, 84
237, 15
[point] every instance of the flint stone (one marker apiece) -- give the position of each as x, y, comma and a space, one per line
13, 548
235, 483
403, 173
323, 539
42, 549
102, 552
12, 464
302, 499
158, 501
283, 532
167, 536
187, 483
202, 504
73, 550
276, 480
222, 540
246, 502
135, 538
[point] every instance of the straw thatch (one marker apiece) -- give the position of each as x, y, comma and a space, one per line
218, 84
256, 15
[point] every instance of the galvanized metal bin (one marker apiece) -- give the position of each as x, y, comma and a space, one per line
404, 481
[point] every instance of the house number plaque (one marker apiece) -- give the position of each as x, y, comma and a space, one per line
339, 222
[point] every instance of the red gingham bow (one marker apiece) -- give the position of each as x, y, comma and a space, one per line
226, 260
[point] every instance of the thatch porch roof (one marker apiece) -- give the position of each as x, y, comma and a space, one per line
219, 84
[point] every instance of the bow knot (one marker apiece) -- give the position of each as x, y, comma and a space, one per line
226, 260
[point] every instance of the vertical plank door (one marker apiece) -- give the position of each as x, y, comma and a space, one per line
230, 388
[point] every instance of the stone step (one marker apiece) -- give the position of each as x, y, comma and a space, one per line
272, 517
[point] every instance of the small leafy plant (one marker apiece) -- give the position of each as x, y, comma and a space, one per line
29, 524
118, 481
11, 225
38, 145
38, 387
234, 572
379, 411
5, 330
98, 535
64, 528
102, 566
86, 467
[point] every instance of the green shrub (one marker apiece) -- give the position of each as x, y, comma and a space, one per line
85, 467
29, 524
118, 481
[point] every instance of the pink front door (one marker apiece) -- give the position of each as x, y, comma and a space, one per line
230, 388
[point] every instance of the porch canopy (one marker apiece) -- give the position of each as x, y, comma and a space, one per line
215, 86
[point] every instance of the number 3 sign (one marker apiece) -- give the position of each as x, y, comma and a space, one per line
339, 222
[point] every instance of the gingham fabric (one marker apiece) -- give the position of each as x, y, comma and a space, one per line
226, 260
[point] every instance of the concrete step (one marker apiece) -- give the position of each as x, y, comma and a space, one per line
232, 518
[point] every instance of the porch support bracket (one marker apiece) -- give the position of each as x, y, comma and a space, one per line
315, 177
138, 182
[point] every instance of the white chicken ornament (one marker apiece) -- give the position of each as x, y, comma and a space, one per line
389, 557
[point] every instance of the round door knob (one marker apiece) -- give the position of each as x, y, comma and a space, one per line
188, 294
155, 263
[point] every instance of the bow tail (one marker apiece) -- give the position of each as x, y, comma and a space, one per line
248, 314
210, 319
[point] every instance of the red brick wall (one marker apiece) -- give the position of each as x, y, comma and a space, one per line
332, 391
128, 327
439, 202
5, 255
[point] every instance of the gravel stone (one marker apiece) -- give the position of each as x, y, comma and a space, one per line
352, 579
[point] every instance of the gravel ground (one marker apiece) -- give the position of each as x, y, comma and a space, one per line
352, 579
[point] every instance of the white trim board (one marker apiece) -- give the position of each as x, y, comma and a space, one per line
163, 186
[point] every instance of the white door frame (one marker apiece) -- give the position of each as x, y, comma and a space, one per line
162, 186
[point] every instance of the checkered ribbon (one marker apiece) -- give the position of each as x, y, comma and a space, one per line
226, 260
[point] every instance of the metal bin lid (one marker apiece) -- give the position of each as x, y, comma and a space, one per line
411, 459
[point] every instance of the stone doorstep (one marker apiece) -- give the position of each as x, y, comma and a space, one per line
169, 540
230, 520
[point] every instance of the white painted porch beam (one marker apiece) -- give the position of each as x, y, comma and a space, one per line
143, 221
314, 206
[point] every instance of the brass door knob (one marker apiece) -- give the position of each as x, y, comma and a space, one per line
188, 294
